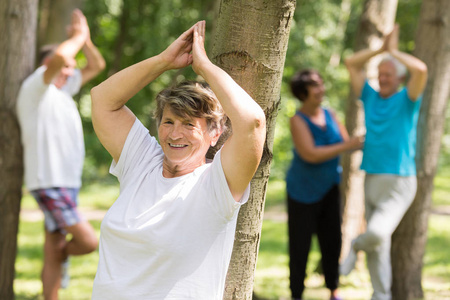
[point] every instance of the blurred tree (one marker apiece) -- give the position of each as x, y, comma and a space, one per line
54, 16
250, 44
377, 19
18, 19
409, 240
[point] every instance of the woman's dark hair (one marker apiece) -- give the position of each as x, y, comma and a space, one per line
300, 82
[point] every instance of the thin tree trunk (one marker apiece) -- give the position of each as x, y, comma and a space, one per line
346, 8
55, 15
250, 44
377, 19
18, 20
121, 39
409, 240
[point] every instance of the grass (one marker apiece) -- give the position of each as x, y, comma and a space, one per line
272, 273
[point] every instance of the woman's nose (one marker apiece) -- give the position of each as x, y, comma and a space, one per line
176, 132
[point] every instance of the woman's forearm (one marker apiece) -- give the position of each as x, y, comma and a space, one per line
115, 92
242, 110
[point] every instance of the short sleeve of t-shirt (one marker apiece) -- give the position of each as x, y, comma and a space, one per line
366, 91
220, 187
35, 83
140, 149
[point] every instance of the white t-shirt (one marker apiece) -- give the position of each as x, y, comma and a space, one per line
165, 238
51, 132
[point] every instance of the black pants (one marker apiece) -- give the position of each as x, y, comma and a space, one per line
324, 219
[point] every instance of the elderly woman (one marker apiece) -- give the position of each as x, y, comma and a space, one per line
170, 233
312, 182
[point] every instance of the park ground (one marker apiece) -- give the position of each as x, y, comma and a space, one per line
272, 273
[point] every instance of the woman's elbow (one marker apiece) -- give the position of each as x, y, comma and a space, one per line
260, 119
94, 93
96, 99
310, 157
259, 123
422, 69
101, 64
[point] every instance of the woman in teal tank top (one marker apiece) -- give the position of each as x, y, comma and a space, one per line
312, 182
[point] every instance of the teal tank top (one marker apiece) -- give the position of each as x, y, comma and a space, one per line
309, 182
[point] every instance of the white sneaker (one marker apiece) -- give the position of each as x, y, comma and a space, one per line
65, 277
349, 263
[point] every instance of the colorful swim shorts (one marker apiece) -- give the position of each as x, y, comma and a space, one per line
59, 206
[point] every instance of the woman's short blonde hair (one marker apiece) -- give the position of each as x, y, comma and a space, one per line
192, 99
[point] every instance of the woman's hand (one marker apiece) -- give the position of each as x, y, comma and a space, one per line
356, 142
178, 54
392, 41
78, 25
199, 57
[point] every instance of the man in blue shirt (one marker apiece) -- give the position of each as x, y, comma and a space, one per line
389, 153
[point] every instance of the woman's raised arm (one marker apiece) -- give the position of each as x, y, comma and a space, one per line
112, 120
242, 152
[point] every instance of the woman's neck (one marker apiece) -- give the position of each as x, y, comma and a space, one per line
171, 170
315, 114
310, 110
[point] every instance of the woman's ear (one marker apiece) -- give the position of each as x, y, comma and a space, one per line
215, 136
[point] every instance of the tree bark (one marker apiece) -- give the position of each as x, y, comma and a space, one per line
377, 19
55, 15
250, 44
18, 20
409, 240
341, 26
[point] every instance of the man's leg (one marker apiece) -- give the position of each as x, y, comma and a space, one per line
61, 217
53, 257
390, 196
84, 239
380, 270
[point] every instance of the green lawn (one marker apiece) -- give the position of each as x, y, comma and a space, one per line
271, 279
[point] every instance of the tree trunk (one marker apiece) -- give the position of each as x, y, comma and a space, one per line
409, 240
18, 20
55, 15
377, 19
250, 44
341, 27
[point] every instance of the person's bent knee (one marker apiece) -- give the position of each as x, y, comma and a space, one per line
91, 244
369, 241
84, 237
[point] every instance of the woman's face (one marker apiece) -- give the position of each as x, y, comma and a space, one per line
316, 91
184, 141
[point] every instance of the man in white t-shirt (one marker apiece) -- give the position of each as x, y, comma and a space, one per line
52, 137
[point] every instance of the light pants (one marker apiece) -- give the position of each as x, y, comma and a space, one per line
387, 198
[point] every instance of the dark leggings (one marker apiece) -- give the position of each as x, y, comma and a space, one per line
324, 219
